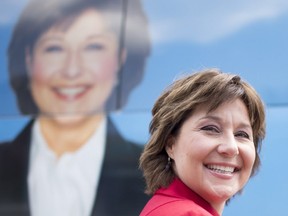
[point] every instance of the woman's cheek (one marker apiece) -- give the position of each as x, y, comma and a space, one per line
42, 71
39, 74
106, 69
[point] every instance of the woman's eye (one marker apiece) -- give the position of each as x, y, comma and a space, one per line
242, 134
94, 47
211, 128
53, 48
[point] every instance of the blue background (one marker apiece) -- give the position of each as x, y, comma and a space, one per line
244, 37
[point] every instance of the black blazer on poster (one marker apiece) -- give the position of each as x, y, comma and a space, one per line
121, 186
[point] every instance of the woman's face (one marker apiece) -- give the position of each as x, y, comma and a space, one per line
214, 152
74, 70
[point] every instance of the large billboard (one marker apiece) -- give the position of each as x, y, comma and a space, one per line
70, 64
78, 81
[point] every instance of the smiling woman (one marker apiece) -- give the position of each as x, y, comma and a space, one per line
206, 133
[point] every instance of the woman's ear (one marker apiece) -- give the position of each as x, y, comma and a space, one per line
170, 146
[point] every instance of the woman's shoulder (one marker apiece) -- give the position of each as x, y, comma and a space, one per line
6, 147
172, 206
17, 146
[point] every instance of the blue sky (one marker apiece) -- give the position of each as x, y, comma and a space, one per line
202, 37
245, 37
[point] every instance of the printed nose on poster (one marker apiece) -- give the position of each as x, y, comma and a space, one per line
72, 66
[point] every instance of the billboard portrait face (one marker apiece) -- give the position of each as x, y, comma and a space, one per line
74, 69
104, 41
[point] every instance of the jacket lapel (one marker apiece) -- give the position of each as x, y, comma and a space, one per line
120, 182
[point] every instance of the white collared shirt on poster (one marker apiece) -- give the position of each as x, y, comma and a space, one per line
65, 186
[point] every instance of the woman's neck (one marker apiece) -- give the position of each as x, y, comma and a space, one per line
68, 133
219, 207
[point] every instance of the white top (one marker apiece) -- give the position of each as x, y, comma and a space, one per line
64, 186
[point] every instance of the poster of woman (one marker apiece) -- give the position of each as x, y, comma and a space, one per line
70, 63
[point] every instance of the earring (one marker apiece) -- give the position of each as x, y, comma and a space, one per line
168, 165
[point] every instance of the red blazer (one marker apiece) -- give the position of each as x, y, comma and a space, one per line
177, 200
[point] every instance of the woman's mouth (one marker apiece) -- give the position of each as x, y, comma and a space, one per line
222, 169
70, 93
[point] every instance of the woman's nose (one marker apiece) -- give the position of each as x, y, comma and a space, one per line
228, 146
72, 67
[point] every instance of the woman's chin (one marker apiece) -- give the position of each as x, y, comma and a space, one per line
70, 119
222, 194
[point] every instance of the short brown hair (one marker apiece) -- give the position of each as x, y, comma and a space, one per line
177, 103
